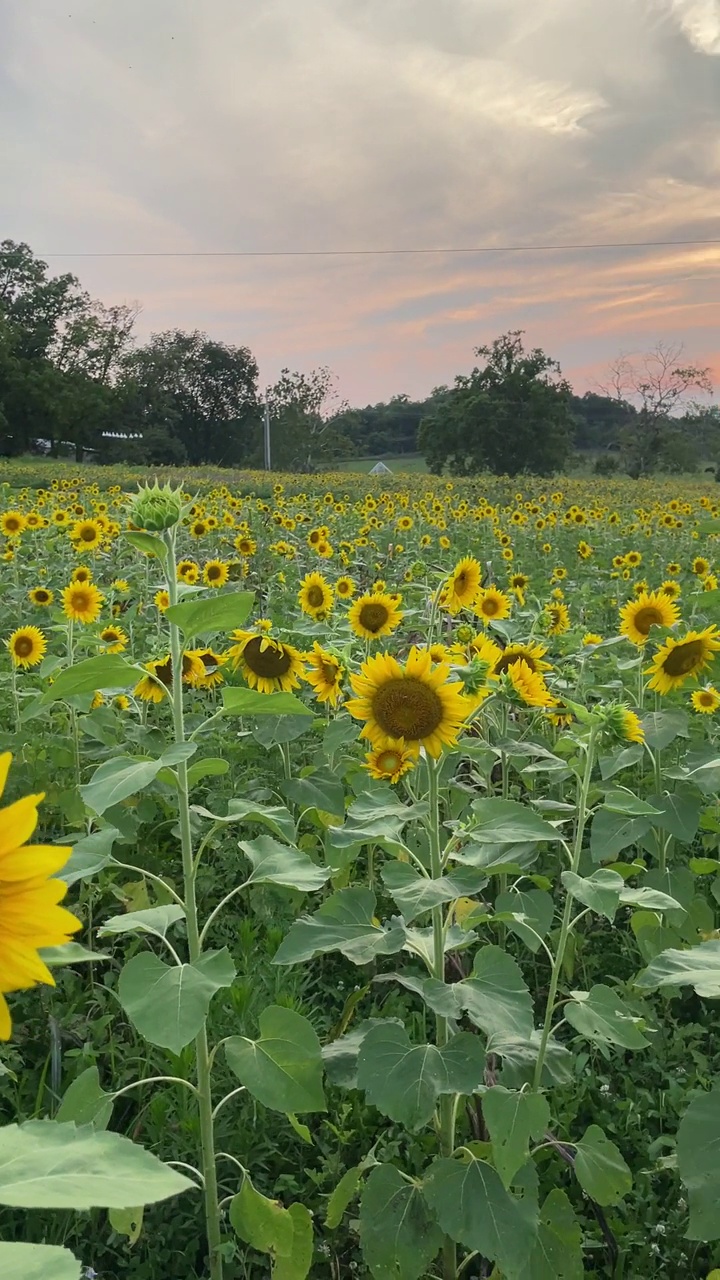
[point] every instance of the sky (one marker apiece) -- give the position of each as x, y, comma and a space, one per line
148, 127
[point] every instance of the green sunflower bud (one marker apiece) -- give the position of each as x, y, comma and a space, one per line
156, 508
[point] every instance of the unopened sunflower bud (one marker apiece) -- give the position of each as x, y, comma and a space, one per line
156, 508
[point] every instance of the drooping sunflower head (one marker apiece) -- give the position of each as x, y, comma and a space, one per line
325, 673
153, 688
267, 664
374, 615
391, 761
622, 724
651, 609
315, 596
591, 638
529, 686
27, 646
215, 573
706, 700
82, 602
417, 702
492, 605
680, 658
41, 596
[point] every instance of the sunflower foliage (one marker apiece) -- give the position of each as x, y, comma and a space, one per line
385, 826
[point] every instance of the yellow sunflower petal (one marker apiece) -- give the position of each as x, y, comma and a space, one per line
17, 823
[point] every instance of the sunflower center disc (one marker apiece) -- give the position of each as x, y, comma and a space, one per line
271, 661
315, 597
407, 708
23, 647
373, 616
646, 618
684, 658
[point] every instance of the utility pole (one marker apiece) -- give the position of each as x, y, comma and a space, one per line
266, 435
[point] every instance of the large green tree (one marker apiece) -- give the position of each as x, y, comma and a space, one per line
305, 431
511, 414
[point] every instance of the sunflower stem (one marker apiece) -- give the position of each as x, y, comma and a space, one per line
565, 927
202, 1061
73, 714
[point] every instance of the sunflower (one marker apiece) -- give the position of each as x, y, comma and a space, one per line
27, 646
30, 917
706, 700
529, 685
591, 637
121, 701
325, 674
315, 596
215, 573
114, 639
624, 724
81, 602
81, 574
199, 528
211, 663
41, 596
671, 588
345, 588
121, 585
558, 619
245, 545
492, 605
633, 559
86, 535
374, 615
60, 518
161, 600
188, 571
268, 665
152, 688
651, 609
700, 566
12, 523
462, 587
531, 654
391, 761
416, 702
678, 659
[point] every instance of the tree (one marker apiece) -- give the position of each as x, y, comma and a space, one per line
599, 419
303, 421
658, 383
509, 415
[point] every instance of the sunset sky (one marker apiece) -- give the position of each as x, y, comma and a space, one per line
191, 126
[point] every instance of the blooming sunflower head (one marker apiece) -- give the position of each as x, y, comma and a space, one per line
161, 600
705, 700
315, 596
681, 657
700, 566
345, 588
592, 637
557, 618
651, 609
81, 602
391, 761
114, 639
531, 654
27, 646
462, 587
41, 596
211, 674
325, 673
492, 605
268, 665
215, 573
528, 686
12, 523
86, 535
374, 615
417, 702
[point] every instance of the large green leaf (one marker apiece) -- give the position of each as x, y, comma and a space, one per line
601, 1016
107, 671
496, 997
46, 1165
86, 1102
611, 832
662, 727
168, 1004
344, 923
89, 855
473, 1207
275, 863
340, 1056
416, 894
70, 953
519, 1057
698, 1143
154, 920
275, 817
600, 891
222, 612
398, 1234
37, 1262
343, 1193
538, 909
323, 791
512, 1119
283, 1068
377, 816
114, 780
508, 822
558, 1250
262, 1223
679, 814
249, 702
404, 1080
147, 543
296, 1265
698, 967
600, 1168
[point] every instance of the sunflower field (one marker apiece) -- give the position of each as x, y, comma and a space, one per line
359, 879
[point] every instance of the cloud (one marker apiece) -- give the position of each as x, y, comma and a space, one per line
700, 22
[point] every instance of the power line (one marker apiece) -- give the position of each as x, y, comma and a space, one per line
367, 253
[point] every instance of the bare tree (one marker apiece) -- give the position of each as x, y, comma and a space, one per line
658, 383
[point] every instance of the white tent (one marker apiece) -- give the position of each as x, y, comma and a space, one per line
380, 470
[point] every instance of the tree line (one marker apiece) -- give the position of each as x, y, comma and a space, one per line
74, 376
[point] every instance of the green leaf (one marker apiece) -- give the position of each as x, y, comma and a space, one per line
222, 612
262, 1223
168, 1004
86, 1102
341, 1055
155, 920
698, 1142
275, 863
37, 1262
345, 923
89, 855
283, 1069
558, 1252
619, 760
611, 832
297, 1265
341, 1196
536, 906
601, 1016
600, 1168
623, 801
473, 1207
248, 702
320, 791
147, 543
650, 899
698, 967
212, 767
398, 1235
600, 891
276, 817
519, 1056
107, 671
679, 814
512, 1119
662, 727
116, 779
46, 1165
496, 997
416, 894
70, 953
127, 1222
377, 816
508, 822
404, 1081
